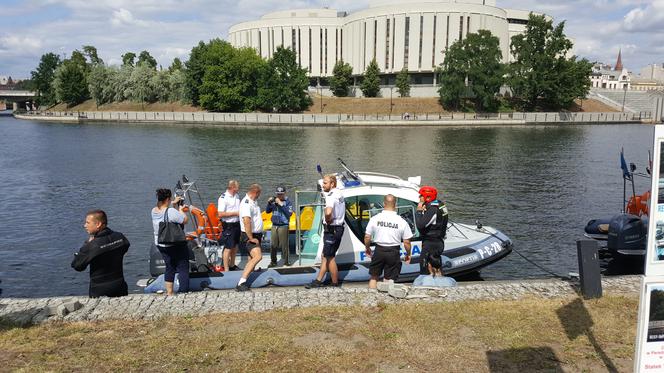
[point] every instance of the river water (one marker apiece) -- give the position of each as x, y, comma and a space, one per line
539, 185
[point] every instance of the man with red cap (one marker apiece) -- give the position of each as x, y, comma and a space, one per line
431, 221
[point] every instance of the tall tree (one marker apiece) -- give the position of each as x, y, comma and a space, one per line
472, 68
199, 59
403, 83
98, 80
341, 79
370, 85
452, 77
230, 82
541, 71
128, 59
91, 53
283, 84
42, 79
70, 82
144, 58
485, 69
176, 65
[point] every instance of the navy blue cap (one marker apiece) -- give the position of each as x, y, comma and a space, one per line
280, 190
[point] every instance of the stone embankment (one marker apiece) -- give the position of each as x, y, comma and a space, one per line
340, 120
154, 306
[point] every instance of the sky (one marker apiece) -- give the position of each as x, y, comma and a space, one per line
170, 28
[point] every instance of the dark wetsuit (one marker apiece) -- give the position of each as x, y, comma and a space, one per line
104, 254
432, 224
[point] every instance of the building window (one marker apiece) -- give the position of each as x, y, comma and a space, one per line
447, 34
293, 39
320, 68
299, 47
375, 38
309, 50
325, 59
433, 51
468, 25
260, 47
461, 28
283, 41
364, 47
394, 27
272, 49
341, 43
336, 45
387, 45
419, 60
406, 42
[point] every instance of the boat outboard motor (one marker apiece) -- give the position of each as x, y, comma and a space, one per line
627, 235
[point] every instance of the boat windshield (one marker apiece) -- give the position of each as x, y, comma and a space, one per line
309, 219
360, 209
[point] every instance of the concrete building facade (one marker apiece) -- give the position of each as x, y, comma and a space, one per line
398, 34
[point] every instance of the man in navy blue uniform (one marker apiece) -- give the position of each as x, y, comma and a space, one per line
281, 208
431, 220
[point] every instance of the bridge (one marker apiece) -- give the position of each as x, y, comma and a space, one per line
20, 99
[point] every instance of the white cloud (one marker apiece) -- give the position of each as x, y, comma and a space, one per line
646, 19
122, 17
16, 44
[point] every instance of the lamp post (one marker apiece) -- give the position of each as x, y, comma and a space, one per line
391, 104
624, 95
321, 97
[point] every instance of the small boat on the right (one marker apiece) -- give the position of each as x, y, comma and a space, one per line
626, 233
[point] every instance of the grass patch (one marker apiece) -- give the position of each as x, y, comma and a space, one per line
526, 335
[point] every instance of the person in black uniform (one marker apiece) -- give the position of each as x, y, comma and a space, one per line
103, 251
431, 221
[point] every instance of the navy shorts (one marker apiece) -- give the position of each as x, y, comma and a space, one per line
331, 240
247, 246
386, 261
230, 235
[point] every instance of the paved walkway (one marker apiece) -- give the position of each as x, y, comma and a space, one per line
153, 306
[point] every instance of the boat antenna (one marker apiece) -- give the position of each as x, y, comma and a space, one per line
351, 173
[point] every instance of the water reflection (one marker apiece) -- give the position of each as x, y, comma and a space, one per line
539, 185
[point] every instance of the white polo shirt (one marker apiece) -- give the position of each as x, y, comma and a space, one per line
335, 200
388, 229
250, 208
229, 203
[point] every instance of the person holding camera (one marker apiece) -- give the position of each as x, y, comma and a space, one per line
104, 251
281, 208
176, 256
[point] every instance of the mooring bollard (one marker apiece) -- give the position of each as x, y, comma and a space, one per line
589, 274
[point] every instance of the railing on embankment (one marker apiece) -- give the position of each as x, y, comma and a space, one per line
343, 119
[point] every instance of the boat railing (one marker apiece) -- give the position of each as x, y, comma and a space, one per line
368, 173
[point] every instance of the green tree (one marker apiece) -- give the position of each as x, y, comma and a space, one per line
283, 84
230, 82
70, 83
128, 59
98, 81
177, 81
176, 65
144, 58
141, 88
91, 53
452, 76
541, 71
42, 78
370, 85
485, 70
341, 79
203, 55
472, 69
403, 83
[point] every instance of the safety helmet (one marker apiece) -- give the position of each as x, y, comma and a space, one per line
429, 193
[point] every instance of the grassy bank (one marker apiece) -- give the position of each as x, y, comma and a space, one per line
331, 105
472, 336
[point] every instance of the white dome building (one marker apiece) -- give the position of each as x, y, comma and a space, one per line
412, 34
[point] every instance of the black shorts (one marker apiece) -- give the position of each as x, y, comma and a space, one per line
332, 239
386, 261
230, 235
247, 246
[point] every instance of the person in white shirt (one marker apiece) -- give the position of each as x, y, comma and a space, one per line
388, 230
228, 208
252, 232
333, 230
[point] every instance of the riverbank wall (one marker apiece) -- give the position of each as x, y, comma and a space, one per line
341, 120
24, 311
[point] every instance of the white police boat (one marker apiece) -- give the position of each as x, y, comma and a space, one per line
468, 248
